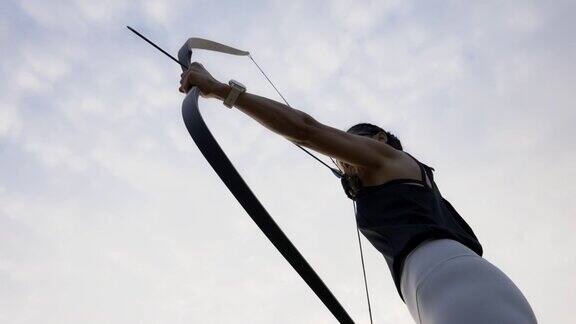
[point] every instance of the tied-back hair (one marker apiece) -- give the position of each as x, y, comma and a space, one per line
365, 129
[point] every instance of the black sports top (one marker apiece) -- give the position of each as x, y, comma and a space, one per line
396, 216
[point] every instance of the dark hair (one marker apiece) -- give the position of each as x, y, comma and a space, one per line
365, 129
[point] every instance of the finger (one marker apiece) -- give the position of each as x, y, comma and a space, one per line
185, 81
197, 66
184, 76
184, 89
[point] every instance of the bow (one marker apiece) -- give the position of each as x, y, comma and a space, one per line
210, 149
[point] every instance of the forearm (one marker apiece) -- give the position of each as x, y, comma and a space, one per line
277, 117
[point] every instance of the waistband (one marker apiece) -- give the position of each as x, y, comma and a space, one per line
425, 257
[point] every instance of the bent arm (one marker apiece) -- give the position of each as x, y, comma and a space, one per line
302, 129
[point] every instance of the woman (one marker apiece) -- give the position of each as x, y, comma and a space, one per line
434, 256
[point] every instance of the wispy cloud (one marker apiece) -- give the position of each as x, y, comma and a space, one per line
108, 213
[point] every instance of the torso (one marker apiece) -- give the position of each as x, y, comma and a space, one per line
396, 219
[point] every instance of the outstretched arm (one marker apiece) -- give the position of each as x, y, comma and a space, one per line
293, 124
277, 117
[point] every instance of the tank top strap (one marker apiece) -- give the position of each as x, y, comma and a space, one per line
422, 172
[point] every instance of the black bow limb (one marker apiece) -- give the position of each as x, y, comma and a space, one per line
232, 179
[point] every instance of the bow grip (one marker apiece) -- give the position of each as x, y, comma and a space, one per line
185, 58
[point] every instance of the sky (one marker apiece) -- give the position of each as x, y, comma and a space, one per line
110, 214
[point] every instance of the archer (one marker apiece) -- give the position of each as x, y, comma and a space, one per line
434, 256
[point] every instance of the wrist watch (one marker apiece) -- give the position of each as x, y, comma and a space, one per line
236, 89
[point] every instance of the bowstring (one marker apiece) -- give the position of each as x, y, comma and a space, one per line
287, 104
363, 267
333, 171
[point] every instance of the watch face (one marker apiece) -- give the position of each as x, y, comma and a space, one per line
236, 84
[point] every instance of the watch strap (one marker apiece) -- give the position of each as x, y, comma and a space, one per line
236, 89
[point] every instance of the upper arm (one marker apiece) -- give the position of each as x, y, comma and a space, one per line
353, 149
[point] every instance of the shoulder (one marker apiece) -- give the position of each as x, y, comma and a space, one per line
361, 151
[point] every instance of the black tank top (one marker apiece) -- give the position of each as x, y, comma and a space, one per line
397, 216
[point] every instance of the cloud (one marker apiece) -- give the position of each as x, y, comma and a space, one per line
157, 11
106, 203
63, 14
10, 122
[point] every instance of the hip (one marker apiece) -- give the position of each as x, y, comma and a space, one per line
443, 281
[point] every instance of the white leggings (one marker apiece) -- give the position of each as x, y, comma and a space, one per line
444, 282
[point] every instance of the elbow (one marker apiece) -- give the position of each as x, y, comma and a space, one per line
306, 129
